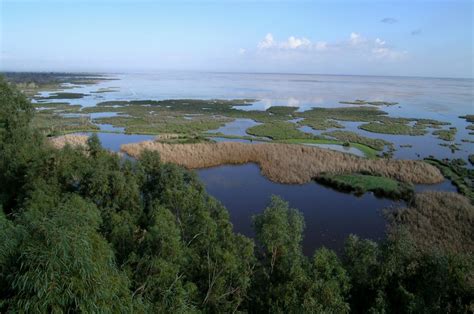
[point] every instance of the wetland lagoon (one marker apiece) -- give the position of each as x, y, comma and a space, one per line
359, 118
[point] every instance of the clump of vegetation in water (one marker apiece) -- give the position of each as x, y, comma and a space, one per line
460, 176
279, 131
446, 135
388, 126
62, 95
55, 124
105, 90
471, 159
377, 144
96, 233
373, 103
282, 110
454, 147
59, 107
320, 123
468, 117
361, 183
363, 114
158, 123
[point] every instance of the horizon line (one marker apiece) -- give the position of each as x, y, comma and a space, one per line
231, 72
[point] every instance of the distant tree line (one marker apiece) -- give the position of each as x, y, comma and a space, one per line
83, 230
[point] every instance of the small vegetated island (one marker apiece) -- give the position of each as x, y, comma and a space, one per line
84, 230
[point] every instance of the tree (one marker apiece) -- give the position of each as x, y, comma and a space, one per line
329, 283
281, 278
19, 144
61, 263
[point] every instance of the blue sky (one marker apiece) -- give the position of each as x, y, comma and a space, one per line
413, 38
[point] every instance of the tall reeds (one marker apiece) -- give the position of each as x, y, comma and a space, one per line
69, 139
286, 163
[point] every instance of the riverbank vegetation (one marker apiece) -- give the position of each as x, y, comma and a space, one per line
437, 219
82, 230
456, 171
285, 163
362, 183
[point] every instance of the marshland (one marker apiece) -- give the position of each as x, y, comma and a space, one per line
236, 156
376, 146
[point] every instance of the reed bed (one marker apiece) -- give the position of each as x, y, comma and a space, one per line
74, 140
437, 220
286, 163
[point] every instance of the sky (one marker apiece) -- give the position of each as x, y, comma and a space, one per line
399, 38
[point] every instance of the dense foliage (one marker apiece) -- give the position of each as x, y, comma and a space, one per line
83, 230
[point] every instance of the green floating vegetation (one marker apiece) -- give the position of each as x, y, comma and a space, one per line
348, 136
373, 103
468, 117
320, 124
362, 183
454, 147
457, 173
282, 110
63, 95
357, 114
471, 159
279, 131
54, 124
51, 107
406, 145
105, 90
428, 123
446, 135
155, 123
392, 127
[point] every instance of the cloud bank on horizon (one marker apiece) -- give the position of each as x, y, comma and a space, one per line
432, 38
355, 44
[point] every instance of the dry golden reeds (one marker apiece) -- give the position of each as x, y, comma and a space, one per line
74, 140
438, 220
286, 163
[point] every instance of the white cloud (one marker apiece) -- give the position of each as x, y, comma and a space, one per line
242, 51
357, 46
379, 42
292, 43
295, 43
267, 42
356, 38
